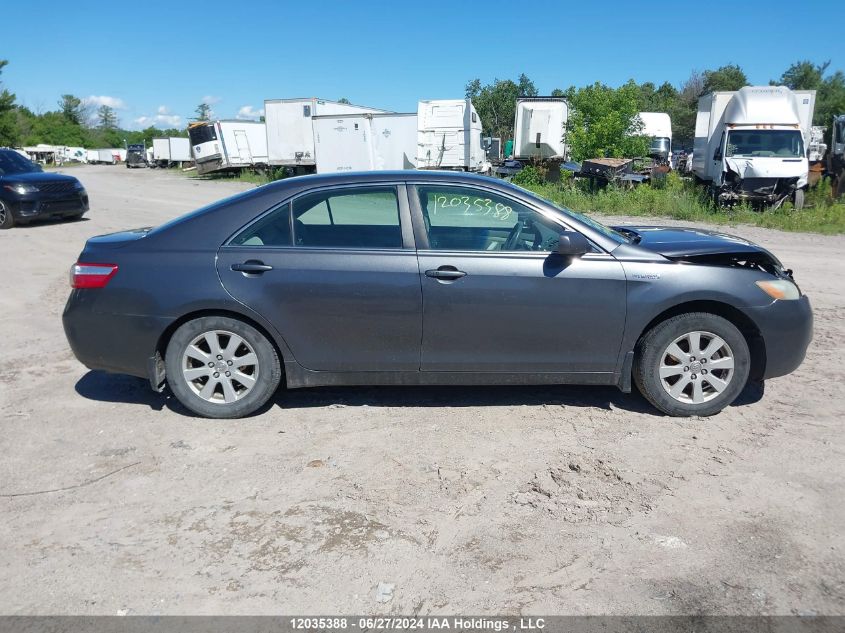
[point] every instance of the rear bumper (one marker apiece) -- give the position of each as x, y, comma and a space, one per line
117, 343
787, 329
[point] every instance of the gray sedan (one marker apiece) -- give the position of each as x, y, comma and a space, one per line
417, 277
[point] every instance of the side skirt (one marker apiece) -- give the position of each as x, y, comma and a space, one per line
298, 377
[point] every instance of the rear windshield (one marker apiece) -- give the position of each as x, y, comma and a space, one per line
781, 143
202, 134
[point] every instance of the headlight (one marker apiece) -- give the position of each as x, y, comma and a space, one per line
78, 186
21, 188
780, 289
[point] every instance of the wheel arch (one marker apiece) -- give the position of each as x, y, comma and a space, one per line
167, 334
742, 321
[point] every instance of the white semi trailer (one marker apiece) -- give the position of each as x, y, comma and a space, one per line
365, 142
170, 150
540, 129
449, 136
228, 145
657, 126
290, 131
752, 144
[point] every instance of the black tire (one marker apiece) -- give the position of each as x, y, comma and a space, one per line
798, 199
7, 220
268, 368
650, 355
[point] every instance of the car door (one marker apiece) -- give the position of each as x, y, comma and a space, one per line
335, 271
498, 298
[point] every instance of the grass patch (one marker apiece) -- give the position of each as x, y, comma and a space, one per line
256, 178
681, 199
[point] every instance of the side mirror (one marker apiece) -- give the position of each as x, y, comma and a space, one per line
572, 244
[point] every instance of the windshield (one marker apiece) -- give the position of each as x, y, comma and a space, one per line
13, 163
597, 226
202, 134
779, 143
659, 145
840, 132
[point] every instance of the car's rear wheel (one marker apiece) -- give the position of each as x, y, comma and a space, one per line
221, 367
7, 221
692, 364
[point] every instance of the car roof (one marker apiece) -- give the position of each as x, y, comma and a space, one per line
386, 176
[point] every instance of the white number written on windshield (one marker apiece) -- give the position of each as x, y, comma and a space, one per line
472, 206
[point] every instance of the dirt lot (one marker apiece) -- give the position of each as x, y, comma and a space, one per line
467, 500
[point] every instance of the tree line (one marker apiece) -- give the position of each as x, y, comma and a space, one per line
601, 117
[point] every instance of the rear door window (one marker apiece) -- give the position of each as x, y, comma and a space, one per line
354, 217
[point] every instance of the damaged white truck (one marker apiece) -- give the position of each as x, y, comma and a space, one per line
751, 145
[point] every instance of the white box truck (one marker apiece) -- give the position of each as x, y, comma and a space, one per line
449, 136
540, 128
228, 145
365, 142
657, 126
290, 132
752, 144
170, 150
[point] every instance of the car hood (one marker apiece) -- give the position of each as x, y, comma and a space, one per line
35, 177
689, 243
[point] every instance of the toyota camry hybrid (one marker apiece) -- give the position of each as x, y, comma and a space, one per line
417, 277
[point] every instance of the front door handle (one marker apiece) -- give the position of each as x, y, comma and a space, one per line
445, 272
253, 266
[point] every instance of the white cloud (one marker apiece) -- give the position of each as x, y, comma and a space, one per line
163, 110
211, 99
101, 100
247, 112
160, 120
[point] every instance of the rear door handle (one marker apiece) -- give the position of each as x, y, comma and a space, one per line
252, 266
445, 273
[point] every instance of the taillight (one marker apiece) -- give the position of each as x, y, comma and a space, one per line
91, 275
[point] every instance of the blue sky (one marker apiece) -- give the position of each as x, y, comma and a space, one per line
155, 61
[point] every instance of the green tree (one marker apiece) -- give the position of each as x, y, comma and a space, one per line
526, 87
8, 130
106, 118
830, 91
72, 109
730, 77
343, 100
603, 123
203, 112
803, 75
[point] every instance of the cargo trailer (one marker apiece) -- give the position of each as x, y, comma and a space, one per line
228, 145
290, 131
449, 136
365, 142
171, 150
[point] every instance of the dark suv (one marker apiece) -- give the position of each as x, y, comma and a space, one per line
28, 193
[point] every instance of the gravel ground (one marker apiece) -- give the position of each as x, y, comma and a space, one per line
467, 500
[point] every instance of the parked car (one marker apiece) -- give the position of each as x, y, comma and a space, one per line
28, 193
409, 278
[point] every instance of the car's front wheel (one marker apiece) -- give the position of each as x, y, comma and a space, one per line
692, 364
221, 367
7, 220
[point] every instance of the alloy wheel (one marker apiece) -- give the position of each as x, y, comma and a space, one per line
696, 367
220, 367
